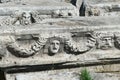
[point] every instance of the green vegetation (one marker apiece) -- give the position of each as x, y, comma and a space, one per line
85, 75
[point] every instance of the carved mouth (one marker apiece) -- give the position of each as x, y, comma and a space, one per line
26, 22
54, 48
106, 47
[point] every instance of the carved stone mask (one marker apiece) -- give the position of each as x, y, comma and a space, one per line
26, 18
105, 43
117, 42
54, 46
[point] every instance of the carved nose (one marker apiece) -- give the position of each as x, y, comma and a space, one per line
26, 22
55, 45
108, 43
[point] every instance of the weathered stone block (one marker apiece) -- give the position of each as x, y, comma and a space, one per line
46, 40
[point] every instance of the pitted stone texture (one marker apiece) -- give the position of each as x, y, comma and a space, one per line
43, 7
49, 75
100, 76
113, 68
60, 75
106, 9
101, 1
84, 21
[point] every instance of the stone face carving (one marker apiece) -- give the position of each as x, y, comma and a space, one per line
54, 45
117, 41
23, 18
58, 39
93, 11
105, 42
18, 18
77, 43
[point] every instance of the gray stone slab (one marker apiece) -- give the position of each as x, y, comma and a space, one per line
43, 7
60, 75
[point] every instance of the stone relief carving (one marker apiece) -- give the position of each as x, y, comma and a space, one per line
55, 45
117, 41
78, 43
93, 11
18, 18
17, 50
2, 50
86, 43
23, 18
65, 13
105, 41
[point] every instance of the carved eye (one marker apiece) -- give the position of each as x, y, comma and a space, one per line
58, 43
52, 43
118, 39
88, 41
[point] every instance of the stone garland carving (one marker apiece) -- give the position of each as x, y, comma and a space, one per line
103, 41
73, 49
55, 45
90, 42
18, 51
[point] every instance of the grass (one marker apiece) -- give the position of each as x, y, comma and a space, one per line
85, 75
